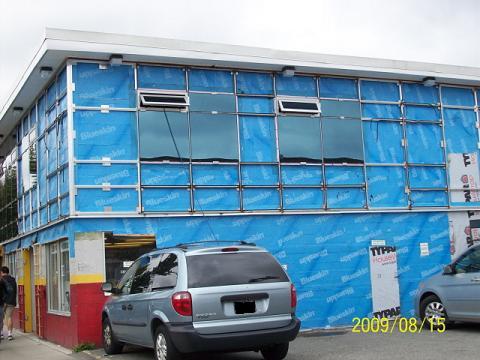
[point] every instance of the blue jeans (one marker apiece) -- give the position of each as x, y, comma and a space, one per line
1, 319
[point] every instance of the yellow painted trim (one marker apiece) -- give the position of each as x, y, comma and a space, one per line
87, 278
39, 281
27, 290
20, 281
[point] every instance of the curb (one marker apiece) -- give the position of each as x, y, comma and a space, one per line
35, 339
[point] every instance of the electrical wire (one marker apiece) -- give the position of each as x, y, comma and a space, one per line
183, 163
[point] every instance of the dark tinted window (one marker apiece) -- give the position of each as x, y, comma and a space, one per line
214, 137
233, 269
141, 279
155, 272
161, 133
299, 139
297, 105
342, 141
469, 263
165, 274
125, 283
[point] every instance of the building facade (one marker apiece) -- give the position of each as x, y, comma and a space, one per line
116, 155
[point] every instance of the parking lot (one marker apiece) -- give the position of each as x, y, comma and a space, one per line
460, 342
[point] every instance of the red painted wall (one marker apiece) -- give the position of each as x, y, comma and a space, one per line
41, 309
86, 306
84, 324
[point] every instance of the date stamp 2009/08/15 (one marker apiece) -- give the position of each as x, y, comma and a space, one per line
404, 325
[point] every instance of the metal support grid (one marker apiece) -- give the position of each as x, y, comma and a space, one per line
443, 145
42, 137
403, 121
137, 162
442, 108
400, 121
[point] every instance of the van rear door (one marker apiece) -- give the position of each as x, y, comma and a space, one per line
238, 290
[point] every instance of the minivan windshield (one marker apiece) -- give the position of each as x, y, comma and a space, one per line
233, 268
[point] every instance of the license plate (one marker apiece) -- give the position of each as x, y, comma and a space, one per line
244, 307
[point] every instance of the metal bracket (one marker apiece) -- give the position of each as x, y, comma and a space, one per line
105, 108
103, 66
106, 187
106, 161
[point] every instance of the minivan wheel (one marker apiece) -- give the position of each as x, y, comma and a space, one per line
275, 352
432, 309
164, 348
110, 343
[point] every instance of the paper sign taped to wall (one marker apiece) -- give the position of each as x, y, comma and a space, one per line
464, 177
424, 251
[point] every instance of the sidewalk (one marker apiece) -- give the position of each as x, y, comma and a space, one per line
28, 346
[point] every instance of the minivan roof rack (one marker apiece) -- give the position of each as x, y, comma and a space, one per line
240, 242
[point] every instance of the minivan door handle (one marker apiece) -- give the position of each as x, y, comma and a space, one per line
476, 279
130, 307
124, 307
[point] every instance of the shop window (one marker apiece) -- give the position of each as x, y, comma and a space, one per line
163, 136
58, 281
299, 139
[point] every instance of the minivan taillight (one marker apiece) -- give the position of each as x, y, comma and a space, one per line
293, 296
182, 303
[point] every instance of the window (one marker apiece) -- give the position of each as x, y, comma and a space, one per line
141, 279
169, 100
214, 137
163, 135
233, 269
342, 140
470, 263
58, 276
298, 105
155, 272
29, 167
299, 139
125, 284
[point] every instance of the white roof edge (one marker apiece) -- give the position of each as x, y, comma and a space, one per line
216, 51
64, 43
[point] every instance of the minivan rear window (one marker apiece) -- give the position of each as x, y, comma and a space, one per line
233, 268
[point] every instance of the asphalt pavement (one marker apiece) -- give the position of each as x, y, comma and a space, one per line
460, 342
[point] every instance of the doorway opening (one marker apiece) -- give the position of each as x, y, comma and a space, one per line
122, 250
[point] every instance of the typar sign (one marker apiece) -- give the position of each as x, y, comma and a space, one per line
383, 276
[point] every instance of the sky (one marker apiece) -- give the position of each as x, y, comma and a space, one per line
437, 31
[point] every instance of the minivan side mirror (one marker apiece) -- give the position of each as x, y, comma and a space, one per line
108, 288
449, 270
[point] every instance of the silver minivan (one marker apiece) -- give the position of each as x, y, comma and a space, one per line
454, 294
195, 298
